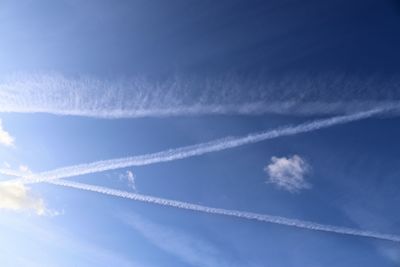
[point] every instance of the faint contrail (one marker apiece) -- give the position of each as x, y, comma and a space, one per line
233, 213
194, 150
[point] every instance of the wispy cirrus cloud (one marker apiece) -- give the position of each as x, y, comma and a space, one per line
5, 138
288, 173
189, 249
130, 178
370, 216
6, 165
391, 252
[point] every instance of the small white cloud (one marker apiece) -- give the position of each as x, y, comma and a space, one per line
288, 173
130, 177
5, 138
17, 197
24, 169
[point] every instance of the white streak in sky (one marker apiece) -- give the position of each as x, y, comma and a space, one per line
232, 213
194, 150
177, 96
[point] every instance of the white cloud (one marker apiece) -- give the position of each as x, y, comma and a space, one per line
24, 169
288, 173
193, 251
131, 179
17, 197
5, 138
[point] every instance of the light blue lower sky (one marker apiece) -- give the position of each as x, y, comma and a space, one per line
353, 181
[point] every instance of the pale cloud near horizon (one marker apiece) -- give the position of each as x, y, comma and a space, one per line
288, 173
5, 138
18, 197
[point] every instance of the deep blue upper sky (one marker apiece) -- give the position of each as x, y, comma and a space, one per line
157, 37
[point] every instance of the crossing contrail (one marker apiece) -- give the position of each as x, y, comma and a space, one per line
232, 213
194, 150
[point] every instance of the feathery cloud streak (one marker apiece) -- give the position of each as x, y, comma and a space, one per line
177, 96
192, 250
231, 213
194, 150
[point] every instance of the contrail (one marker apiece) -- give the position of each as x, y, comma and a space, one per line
232, 213
218, 211
136, 97
194, 150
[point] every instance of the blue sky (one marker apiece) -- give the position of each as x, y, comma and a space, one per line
90, 91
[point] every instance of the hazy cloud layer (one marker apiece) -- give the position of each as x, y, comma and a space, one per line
288, 173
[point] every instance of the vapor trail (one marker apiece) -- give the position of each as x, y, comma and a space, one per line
177, 95
194, 150
232, 213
